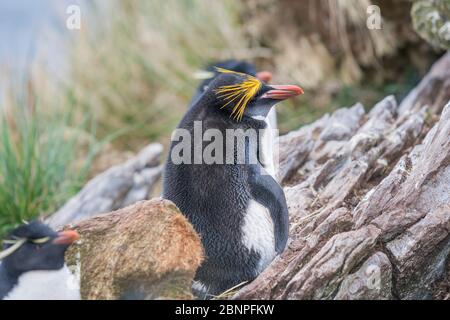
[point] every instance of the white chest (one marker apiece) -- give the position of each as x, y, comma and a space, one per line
46, 285
258, 233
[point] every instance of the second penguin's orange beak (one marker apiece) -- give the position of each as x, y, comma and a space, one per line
265, 76
66, 237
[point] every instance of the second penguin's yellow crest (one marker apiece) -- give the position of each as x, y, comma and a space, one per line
241, 93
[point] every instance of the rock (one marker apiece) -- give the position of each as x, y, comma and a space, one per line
293, 149
373, 281
116, 188
375, 194
315, 142
433, 92
420, 254
145, 251
413, 185
431, 20
441, 289
343, 123
317, 279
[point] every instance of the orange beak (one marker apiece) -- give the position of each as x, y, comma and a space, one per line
66, 237
282, 92
265, 76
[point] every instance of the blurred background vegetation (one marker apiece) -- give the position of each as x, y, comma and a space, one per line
130, 76
44, 159
136, 69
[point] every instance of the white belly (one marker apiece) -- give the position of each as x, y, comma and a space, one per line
46, 285
258, 233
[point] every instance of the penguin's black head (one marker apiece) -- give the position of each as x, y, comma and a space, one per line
233, 65
241, 95
35, 246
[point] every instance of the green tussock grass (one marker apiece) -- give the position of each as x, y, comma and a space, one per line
44, 160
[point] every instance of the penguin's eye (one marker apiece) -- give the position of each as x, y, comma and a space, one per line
40, 240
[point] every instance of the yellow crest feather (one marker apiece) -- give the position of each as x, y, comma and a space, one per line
240, 93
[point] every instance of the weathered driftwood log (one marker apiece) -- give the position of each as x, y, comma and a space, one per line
145, 251
116, 188
369, 201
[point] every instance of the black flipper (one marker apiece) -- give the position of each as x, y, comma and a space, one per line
266, 191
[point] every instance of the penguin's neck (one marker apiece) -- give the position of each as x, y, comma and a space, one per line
7, 280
